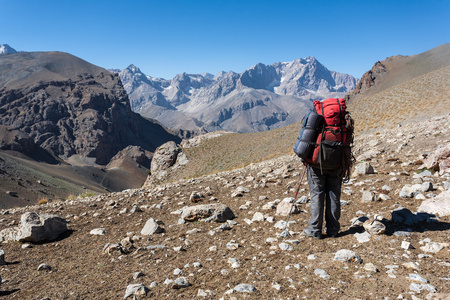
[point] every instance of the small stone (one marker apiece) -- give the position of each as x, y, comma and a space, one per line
321, 273
362, 237
151, 227
406, 245
244, 288
177, 271
432, 247
285, 247
180, 282
370, 267
258, 217
311, 257
368, 197
27, 246
374, 227
44, 267
345, 255
232, 246
204, 293
98, 231
136, 290
412, 265
417, 287
138, 275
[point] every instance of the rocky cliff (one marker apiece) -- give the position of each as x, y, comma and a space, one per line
73, 109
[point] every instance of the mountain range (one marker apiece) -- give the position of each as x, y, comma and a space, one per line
262, 97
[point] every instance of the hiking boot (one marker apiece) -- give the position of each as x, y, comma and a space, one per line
306, 232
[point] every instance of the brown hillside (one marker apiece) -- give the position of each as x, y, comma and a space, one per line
421, 97
398, 69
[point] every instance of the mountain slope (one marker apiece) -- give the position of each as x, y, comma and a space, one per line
57, 109
398, 69
261, 98
6, 49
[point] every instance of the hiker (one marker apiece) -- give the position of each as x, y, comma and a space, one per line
324, 144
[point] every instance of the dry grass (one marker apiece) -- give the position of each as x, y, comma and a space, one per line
421, 97
42, 201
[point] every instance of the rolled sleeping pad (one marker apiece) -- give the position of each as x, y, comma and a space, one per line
306, 141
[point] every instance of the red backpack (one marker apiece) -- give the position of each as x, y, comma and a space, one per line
328, 153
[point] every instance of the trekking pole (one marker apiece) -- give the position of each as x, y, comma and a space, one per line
285, 232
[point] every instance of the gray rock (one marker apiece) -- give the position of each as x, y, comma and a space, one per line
209, 212
285, 247
136, 290
374, 227
426, 187
362, 237
417, 277
244, 288
285, 206
156, 247
368, 197
432, 247
345, 255
364, 168
180, 283
98, 231
417, 287
370, 267
37, 228
439, 205
258, 217
151, 227
44, 267
321, 273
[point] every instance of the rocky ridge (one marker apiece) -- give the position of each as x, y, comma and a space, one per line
261, 98
387, 248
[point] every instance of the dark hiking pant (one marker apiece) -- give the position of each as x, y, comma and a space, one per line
325, 191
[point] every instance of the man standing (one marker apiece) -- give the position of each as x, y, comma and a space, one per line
328, 166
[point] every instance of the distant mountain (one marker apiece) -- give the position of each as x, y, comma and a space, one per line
6, 49
261, 98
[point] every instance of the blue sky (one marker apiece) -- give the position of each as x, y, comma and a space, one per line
164, 38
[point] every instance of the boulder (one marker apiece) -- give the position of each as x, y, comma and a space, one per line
439, 159
37, 228
374, 227
151, 227
136, 290
285, 205
439, 205
364, 168
345, 255
164, 158
209, 212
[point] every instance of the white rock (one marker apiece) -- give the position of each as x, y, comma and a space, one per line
151, 227
432, 247
362, 237
285, 247
406, 245
136, 290
98, 231
345, 255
